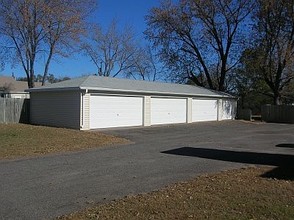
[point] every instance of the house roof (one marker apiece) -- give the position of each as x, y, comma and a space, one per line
12, 86
109, 84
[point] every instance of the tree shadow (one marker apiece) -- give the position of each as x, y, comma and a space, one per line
283, 162
285, 145
282, 173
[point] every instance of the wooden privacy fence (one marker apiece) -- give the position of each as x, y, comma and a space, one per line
278, 113
14, 110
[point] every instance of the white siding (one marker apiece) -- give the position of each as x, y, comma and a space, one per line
228, 109
204, 110
89, 111
59, 109
115, 111
85, 112
19, 95
168, 111
189, 110
147, 111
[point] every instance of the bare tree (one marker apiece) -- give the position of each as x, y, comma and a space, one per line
273, 56
200, 39
41, 29
145, 65
112, 50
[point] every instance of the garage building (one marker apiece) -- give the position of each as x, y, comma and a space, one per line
100, 102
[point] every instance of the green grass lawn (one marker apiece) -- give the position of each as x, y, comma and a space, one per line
21, 140
237, 194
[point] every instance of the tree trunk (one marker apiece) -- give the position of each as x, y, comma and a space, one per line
192, 77
47, 64
277, 98
30, 78
221, 85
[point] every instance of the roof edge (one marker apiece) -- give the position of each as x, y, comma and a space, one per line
53, 89
81, 88
156, 92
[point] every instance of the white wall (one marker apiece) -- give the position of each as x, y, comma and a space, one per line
227, 109
85, 111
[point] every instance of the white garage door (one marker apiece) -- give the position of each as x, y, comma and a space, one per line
204, 110
168, 111
227, 110
115, 111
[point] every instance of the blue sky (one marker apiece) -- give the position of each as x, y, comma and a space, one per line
126, 12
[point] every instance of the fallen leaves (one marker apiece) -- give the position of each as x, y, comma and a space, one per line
236, 194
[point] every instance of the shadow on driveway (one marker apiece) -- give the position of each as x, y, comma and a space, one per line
285, 145
283, 162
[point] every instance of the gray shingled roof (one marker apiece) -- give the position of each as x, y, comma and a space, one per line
108, 84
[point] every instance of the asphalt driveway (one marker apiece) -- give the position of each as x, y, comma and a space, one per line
45, 187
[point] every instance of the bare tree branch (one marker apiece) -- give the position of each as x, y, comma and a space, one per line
206, 32
112, 50
42, 28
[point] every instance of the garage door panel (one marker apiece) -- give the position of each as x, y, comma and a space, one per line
168, 111
115, 111
204, 110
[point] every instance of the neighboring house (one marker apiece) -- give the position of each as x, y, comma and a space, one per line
10, 88
99, 102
